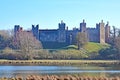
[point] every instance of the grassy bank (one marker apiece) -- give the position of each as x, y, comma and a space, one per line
58, 62
89, 51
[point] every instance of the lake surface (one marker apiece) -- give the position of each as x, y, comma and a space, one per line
11, 71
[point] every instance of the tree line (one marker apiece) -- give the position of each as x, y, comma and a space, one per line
113, 52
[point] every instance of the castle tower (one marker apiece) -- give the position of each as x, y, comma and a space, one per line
107, 32
84, 29
62, 25
17, 29
83, 26
101, 31
61, 32
35, 31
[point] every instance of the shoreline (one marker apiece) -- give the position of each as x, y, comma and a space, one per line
58, 62
60, 77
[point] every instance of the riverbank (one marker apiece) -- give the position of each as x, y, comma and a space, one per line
57, 62
59, 77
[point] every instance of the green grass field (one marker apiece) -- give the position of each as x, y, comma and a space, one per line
89, 47
72, 50
95, 47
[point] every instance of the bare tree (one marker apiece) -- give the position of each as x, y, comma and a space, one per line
115, 33
5, 38
5, 33
27, 43
118, 32
115, 39
117, 43
81, 39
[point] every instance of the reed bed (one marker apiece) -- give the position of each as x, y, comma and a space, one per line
59, 77
2, 62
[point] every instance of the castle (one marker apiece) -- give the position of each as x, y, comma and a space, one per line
100, 34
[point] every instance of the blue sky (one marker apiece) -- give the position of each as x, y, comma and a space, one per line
48, 13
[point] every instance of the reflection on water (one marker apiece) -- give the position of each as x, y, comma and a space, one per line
11, 71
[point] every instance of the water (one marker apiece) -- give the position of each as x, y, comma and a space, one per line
11, 71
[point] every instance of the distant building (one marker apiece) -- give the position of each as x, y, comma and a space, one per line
99, 34
17, 29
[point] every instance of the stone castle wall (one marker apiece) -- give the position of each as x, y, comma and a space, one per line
93, 35
99, 34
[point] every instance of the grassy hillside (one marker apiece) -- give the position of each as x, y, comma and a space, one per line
89, 50
89, 47
95, 47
